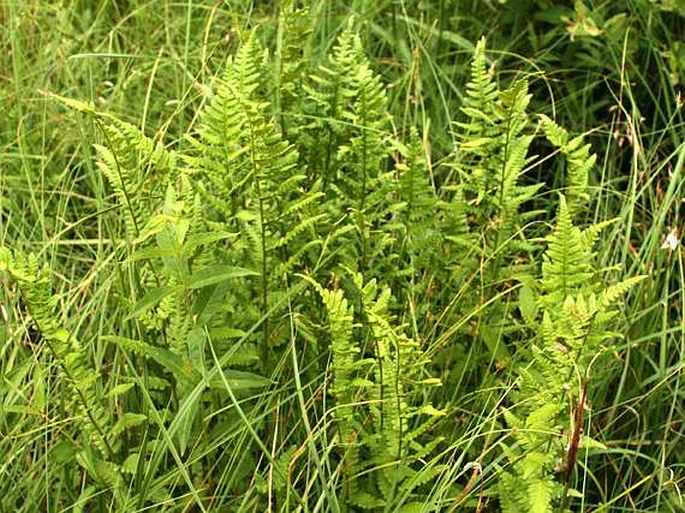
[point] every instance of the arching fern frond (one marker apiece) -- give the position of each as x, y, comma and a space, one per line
135, 165
344, 141
34, 283
579, 161
102, 430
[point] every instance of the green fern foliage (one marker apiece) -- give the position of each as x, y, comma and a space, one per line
291, 65
579, 161
307, 291
489, 209
102, 431
377, 388
492, 150
134, 165
344, 142
246, 172
327, 94
567, 264
572, 326
421, 237
239, 158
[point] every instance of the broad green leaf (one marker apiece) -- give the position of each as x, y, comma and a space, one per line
238, 380
217, 274
208, 302
183, 426
62, 452
149, 300
150, 253
527, 305
494, 340
170, 361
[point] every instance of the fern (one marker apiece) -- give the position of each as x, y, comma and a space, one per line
292, 168
579, 161
101, 431
133, 164
577, 313
421, 237
344, 142
567, 263
492, 151
35, 286
130, 164
349, 371
488, 214
379, 387
327, 94
295, 26
245, 170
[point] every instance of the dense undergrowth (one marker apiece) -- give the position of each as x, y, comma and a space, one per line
306, 256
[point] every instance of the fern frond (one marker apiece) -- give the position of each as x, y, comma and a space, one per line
579, 161
576, 312
88, 407
481, 93
133, 163
567, 263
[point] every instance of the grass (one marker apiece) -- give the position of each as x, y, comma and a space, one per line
151, 63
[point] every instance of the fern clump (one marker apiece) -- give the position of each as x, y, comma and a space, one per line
491, 155
345, 140
247, 173
379, 380
570, 311
487, 219
308, 290
135, 166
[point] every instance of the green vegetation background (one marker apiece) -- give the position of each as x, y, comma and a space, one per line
611, 71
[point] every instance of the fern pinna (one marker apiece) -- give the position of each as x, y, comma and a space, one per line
579, 161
